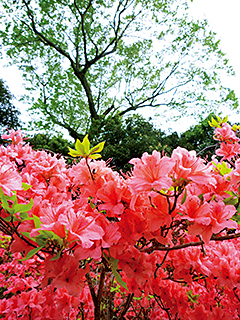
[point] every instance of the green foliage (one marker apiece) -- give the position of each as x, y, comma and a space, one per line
54, 144
192, 297
222, 168
126, 138
92, 60
129, 137
198, 138
114, 266
9, 115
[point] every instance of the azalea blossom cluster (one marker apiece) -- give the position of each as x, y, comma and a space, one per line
83, 241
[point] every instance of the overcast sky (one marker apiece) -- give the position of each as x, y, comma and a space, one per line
223, 17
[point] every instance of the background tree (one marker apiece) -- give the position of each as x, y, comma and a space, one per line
129, 137
92, 59
200, 138
126, 138
55, 144
9, 115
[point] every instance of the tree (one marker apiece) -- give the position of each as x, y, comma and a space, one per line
54, 144
129, 137
94, 59
199, 138
126, 138
9, 115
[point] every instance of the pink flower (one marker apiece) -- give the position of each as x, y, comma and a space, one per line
212, 220
235, 174
150, 172
81, 228
225, 133
195, 211
15, 136
65, 273
10, 180
228, 150
158, 215
188, 166
111, 195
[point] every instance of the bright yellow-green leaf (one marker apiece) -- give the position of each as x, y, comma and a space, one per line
95, 156
192, 297
80, 147
114, 265
83, 149
98, 148
211, 125
74, 153
225, 119
86, 144
25, 186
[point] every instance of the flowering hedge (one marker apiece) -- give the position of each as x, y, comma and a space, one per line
86, 242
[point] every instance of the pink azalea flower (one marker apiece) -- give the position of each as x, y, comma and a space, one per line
225, 133
111, 195
65, 273
81, 228
15, 136
217, 218
158, 214
188, 166
150, 172
228, 150
235, 174
10, 180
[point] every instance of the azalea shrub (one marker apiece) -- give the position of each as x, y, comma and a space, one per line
83, 241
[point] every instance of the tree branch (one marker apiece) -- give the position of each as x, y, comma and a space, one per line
190, 244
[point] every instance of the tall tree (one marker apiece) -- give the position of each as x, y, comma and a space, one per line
89, 59
9, 115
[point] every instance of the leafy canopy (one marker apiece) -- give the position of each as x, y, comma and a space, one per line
88, 59
9, 115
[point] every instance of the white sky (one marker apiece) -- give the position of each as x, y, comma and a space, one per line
223, 17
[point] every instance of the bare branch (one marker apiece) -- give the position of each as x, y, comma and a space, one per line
191, 244
149, 101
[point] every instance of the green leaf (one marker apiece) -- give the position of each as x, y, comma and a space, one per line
80, 148
95, 156
225, 119
8, 219
37, 222
25, 216
231, 201
23, 207
27, 235
193, 298
74, 153
114, 265
86, 144
41, 240
83, 149
6, 206
57, 256
98, 148
184, 197
25, 186
31, 253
